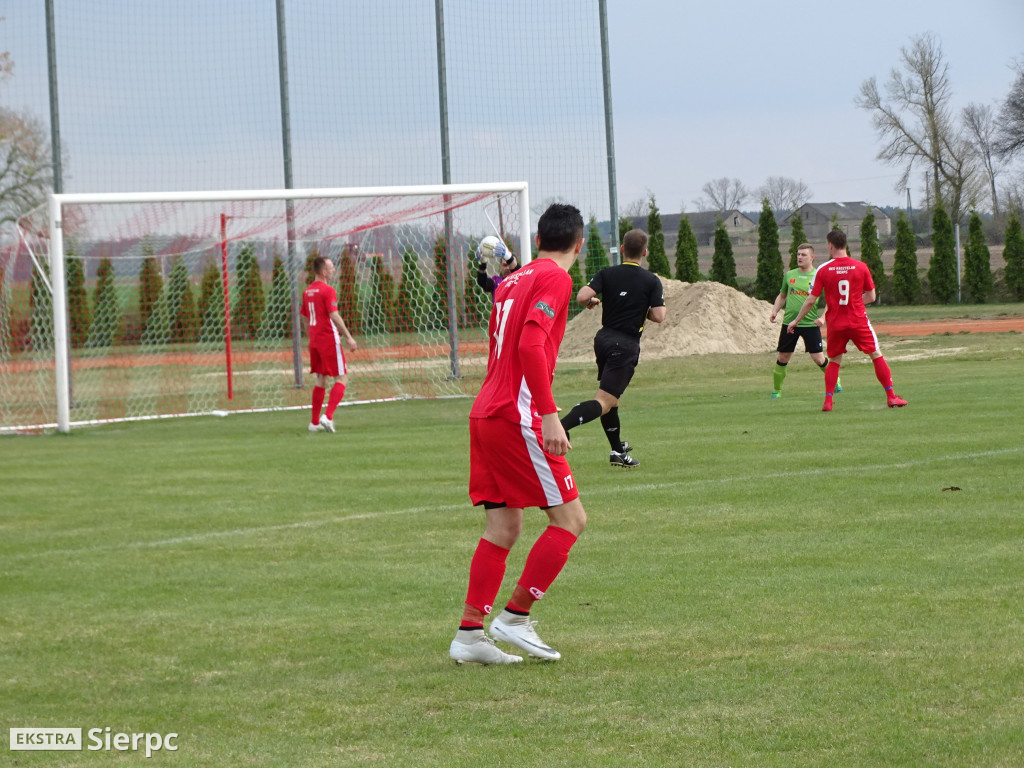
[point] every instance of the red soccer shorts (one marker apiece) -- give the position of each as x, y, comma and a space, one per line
863, 336
326, 358
508, 463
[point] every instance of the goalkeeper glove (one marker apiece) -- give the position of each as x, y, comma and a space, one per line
503, 253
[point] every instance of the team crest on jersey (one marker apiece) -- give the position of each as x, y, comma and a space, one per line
792, 281
543, 307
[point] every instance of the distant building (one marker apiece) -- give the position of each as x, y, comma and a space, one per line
817, 219
703, 224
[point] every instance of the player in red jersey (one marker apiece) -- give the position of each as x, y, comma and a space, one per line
325, 327
847, 286
517, 447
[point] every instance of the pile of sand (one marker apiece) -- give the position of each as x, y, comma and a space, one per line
701, 318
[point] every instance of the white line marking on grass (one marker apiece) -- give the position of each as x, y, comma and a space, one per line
237, 532
447, 507
820, 471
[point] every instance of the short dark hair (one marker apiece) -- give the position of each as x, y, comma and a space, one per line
633, 244
318, 264
837, 238
560, 227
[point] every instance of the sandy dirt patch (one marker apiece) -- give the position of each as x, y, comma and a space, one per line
701, 318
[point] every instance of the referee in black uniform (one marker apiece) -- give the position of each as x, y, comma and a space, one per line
631, 295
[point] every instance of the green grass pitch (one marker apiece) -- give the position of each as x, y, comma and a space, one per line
773, 586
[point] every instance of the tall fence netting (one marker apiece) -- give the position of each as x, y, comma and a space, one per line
186, 95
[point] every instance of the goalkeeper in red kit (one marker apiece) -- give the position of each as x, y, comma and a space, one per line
325, 327
847, 286
517, 447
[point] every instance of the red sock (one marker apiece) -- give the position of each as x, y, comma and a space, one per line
831, 377
543, 564
318, 402
337, 392
882, 372
486, 570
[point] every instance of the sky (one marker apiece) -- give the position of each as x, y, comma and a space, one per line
700, 91
750, 90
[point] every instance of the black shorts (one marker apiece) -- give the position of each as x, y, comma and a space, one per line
811, 334
617, 358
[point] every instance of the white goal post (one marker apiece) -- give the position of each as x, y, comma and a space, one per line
390, 239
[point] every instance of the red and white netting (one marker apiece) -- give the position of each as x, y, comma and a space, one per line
178, 308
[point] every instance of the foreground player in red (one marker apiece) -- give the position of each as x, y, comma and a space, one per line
847, 286
517, 447
325, 327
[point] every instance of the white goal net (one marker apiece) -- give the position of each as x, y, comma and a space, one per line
146, 306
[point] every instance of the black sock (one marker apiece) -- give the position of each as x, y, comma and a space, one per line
581, 413
610, 422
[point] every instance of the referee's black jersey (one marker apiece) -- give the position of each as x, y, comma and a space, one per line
627, 291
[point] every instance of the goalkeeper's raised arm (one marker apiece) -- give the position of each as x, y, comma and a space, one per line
507, 261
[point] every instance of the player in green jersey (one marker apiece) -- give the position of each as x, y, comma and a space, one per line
796, 287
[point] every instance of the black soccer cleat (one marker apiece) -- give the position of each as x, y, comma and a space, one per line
622, 459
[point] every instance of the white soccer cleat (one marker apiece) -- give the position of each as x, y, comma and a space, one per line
315, 428
520, 632
326, 423
480, 649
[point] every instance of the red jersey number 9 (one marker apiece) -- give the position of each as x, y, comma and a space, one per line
844, 292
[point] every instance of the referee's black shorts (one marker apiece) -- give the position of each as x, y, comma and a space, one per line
617, 358
811, 334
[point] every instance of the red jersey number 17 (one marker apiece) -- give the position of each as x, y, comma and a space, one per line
499, 332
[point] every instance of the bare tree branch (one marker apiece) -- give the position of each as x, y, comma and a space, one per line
722, 194
783, 193
1010, 123
915, 125
981, 128
26, 172
1013, 193
636, 208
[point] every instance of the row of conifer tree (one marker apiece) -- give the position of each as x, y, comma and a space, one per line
905, 281
174, 311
